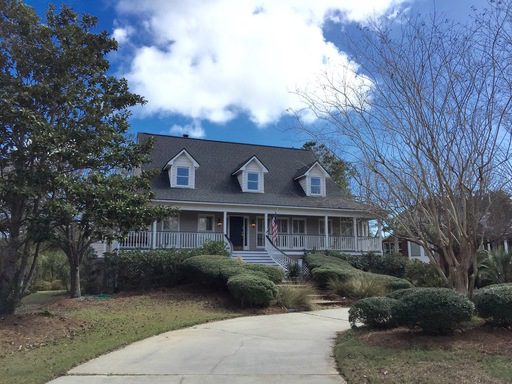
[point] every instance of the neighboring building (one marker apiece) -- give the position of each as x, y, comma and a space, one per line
394, 245
233, 192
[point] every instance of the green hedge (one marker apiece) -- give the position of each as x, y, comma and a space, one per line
373, 312
326, 268
494, 303
434, 310
252, 290
274, 274
130, 270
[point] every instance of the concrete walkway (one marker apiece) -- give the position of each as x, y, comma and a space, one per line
286, 348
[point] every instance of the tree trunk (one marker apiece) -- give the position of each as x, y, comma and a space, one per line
459, 279
74, 271
9, 293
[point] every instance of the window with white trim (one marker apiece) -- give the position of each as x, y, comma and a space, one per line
282, 225
298, 226
205, 224
316, 186
182, 176
170, 224
253, 181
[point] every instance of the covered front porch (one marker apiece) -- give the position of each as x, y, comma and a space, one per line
252, 231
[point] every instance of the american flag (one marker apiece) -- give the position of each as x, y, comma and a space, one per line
274, 229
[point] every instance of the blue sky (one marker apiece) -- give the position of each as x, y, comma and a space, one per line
227, 70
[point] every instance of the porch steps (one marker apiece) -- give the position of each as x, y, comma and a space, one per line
255, 257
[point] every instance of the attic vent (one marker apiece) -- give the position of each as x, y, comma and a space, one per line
185, 135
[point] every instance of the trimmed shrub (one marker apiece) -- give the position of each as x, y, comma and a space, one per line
130, 270
295, 297
373, 312
423, 275
274, 274
211, 247
434, 310
213, 269
399, 293
494, 302
252, 290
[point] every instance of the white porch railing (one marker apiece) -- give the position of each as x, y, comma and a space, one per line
337, 243
149, 239
369, 244
144, 239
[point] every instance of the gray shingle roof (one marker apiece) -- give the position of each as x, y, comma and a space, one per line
214, 181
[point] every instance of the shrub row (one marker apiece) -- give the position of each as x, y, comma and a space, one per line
342, 277
129, 270
434, 310
249, 284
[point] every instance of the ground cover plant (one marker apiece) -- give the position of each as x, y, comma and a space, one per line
347, 280
51, 333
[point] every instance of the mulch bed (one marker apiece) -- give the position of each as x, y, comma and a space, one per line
485, 339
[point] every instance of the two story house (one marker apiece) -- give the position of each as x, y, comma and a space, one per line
266, 203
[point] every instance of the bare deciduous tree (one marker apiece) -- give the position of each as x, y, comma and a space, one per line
430, 120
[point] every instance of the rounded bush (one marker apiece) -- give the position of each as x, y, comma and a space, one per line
434, 310
494, 302
374, 312
252, 290
274, 274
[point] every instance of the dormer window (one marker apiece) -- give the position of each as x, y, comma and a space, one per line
312, 179
182, 170
316, 186
251, 175
253, 181
182, 176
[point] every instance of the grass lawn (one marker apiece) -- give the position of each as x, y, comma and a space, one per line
478, 355
50, 333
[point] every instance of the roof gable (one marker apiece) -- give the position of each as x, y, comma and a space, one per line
184, 152
305, 171
244, 166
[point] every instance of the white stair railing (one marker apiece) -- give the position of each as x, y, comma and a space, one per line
279, 257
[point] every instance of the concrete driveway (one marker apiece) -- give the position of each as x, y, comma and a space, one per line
286, 348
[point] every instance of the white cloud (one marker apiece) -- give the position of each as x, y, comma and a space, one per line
213, 59
122, 34
193, 130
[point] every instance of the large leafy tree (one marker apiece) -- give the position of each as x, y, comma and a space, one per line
63, 119
99, 207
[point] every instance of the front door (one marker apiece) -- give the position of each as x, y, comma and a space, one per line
236, 232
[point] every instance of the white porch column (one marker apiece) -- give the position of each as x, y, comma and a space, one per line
354, 229
505, 246
326, 231
265, 229
225, 221
153, 235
